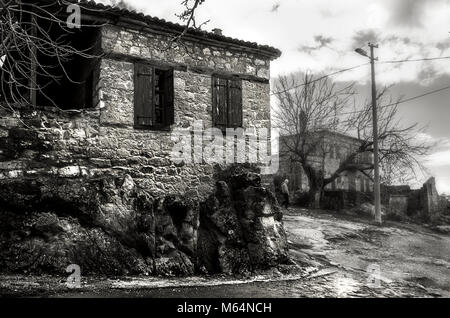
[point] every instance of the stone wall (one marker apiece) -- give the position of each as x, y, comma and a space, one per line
398, 205
424, 203
158, 47
433, 204
103, 141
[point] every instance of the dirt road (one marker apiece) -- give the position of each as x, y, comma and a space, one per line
338, 256
405, 256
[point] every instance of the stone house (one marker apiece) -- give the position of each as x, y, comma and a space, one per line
333, 150
88, 178
119, 116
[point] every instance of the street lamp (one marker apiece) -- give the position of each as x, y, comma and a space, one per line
362, 52
376, 187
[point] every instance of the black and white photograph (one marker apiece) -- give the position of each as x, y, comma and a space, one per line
237, 151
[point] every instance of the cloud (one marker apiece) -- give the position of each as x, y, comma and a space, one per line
323, 40
326, 13
362, 37
412, 13
320, 41
402, 39
444, 45
407, 12
427, 74
440, 157
438, 162
443, 185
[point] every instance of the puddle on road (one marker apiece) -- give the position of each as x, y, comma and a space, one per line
345, 286
312, 237
151, 283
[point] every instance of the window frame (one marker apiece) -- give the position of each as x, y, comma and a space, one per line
229, 80
168, 107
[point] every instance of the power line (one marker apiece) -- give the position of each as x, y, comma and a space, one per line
419, 96
393, 104
318, 79
361, 65
382, 62
402, 101
415, 60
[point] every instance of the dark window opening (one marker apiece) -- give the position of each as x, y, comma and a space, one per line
66, 80
227, 103
74, 83
153, 97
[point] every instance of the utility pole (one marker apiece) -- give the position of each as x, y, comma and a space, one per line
376, 185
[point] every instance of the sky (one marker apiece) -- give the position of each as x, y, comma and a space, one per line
320, 36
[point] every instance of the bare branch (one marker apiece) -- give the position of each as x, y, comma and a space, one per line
304, 112
36, 48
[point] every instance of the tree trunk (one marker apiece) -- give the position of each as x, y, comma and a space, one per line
315, 181
315, 196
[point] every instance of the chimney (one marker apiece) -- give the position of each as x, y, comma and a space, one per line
217, 31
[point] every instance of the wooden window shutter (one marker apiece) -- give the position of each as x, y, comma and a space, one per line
235, 103
169, 114
143, 95
220, 102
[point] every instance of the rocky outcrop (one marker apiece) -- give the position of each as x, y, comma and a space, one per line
111, 226
241, 225
107, 226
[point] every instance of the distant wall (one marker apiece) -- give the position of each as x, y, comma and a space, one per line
424, 203
433, 204
398, 205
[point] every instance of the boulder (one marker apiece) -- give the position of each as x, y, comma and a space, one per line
241, 225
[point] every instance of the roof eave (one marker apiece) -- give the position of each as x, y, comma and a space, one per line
142, 22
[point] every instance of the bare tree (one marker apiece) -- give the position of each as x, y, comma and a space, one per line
309, 110
304, 110
187, 16
400, 148
35, 43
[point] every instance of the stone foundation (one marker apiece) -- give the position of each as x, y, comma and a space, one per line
112, 226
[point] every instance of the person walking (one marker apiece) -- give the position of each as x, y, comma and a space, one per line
285, 192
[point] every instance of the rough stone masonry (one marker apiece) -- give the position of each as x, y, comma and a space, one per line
85, 187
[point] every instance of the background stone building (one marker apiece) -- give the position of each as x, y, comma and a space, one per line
334, 149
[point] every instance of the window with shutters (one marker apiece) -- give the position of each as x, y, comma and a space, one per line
227, 102
153, 97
